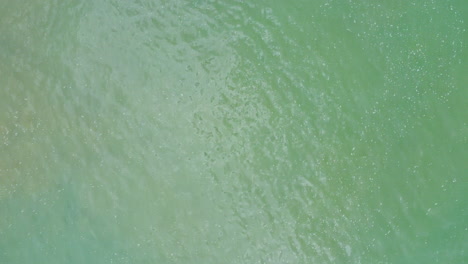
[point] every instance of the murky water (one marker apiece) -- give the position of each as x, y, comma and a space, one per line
233, 131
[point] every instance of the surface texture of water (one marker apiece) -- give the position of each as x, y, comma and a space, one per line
233, 131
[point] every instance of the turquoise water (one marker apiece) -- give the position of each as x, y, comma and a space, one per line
233, 131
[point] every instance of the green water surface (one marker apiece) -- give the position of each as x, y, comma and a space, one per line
177, 131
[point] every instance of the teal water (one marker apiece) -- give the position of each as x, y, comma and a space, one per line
233, 131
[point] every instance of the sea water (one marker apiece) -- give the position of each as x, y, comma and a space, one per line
177, 131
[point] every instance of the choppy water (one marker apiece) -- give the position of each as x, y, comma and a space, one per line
233, 131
